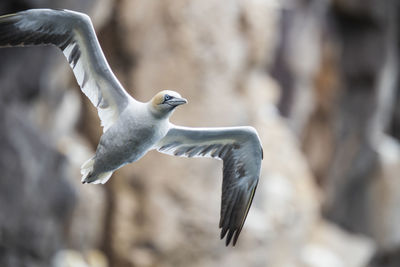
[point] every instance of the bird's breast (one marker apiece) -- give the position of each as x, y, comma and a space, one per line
131, 137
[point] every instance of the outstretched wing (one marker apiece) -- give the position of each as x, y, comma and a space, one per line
241, 152
74, 34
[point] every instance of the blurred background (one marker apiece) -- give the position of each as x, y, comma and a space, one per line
317, 78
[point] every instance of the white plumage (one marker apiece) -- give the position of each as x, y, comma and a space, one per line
132, 128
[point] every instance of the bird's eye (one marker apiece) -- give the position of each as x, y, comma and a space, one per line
167, 97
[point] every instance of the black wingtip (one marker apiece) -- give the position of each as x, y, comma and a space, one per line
233, 236
236, 236
229, 237
231, 233
223, 232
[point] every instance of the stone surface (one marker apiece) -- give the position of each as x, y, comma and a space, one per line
36, 198
174, 202
316, 78
331, 246
384, 196
351, 102
44, 208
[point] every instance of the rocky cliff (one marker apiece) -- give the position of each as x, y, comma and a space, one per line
317, 79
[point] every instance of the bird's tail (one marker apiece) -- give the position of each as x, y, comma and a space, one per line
87, 168
87, 173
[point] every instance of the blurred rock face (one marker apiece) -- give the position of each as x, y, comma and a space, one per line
215, 55
174, 202
36, 199
329, 80
351, 101
41, 206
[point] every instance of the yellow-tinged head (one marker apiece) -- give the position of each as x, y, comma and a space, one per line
164, 102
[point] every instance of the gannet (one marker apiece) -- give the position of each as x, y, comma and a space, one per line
132, 128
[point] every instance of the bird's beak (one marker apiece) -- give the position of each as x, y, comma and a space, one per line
176, 101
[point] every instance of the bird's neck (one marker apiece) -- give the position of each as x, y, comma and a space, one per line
158, 113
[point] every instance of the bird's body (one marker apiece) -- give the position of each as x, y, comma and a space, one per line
132, 128
135, 132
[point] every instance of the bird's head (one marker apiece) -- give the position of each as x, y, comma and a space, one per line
164, 102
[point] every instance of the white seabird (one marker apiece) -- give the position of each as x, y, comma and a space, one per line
132, 128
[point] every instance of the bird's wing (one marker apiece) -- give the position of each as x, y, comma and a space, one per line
241, 152
74, 34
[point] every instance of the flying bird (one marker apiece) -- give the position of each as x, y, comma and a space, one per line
131, 128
